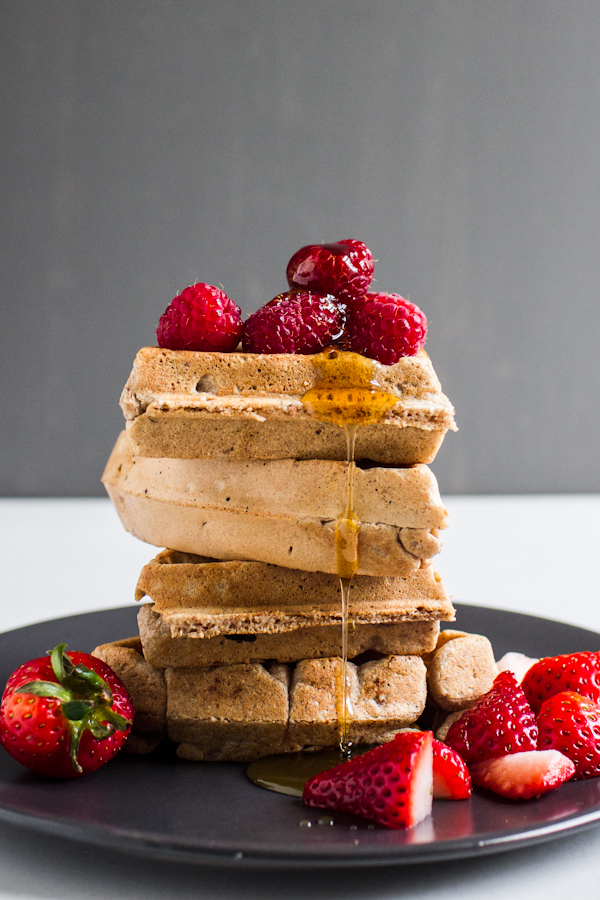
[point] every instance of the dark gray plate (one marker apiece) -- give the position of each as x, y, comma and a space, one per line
211, 813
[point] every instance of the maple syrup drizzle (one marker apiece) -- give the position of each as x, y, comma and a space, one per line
287, 773
346, 546
348, 395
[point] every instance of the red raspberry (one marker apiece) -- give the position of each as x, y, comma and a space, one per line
344, 269
293, 322
202, 317
385, 327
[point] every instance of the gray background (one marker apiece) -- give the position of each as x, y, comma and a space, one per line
150, 144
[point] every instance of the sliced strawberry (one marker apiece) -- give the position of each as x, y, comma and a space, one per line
578, 672
499, 723
451, 779
520, 776
391, 784
570, 723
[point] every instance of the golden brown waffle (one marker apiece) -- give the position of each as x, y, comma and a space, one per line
312, 489
243, 712
207, 597
184, 404
312, 642
284, 539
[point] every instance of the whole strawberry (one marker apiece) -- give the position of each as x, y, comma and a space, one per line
385, 327
499, 723
64, 715
570, 724
202, 317
579, 672
294, 322
391, 784
344, 269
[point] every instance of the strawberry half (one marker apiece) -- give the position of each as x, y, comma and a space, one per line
570, 724
451, 779
521, 776
578, 672
391, 784
500, 722
65, 715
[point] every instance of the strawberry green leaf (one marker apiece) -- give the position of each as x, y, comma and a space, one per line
107, 714
88, 679
44, 689
60, 663
76, 710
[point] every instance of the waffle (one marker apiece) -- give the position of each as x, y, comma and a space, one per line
204, 597
288, 540
188, 405
314, 489
461, 670
245, 711
161, 648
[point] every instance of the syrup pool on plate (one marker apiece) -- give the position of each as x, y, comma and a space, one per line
347, 394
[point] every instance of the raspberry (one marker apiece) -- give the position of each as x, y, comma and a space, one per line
344, 269
385, 327
202, 317
293, 322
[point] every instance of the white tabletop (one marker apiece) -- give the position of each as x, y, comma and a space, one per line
529, 554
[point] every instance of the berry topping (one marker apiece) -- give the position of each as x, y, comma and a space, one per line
579, 672
344, 269
385, 327
294, 322
63, 715
570, 724
521, 776
499, 723
202, 317
391, 784
451, 779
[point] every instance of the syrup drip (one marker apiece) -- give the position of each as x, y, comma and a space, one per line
346, 546
287, 773
347, 395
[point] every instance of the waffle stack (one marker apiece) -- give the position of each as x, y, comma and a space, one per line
239, 651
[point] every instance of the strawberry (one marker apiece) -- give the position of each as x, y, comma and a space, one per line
202, 317
451, 779
391, 784
579, 672
521, 776
500, 722
344, 269
570, 723
64, 715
